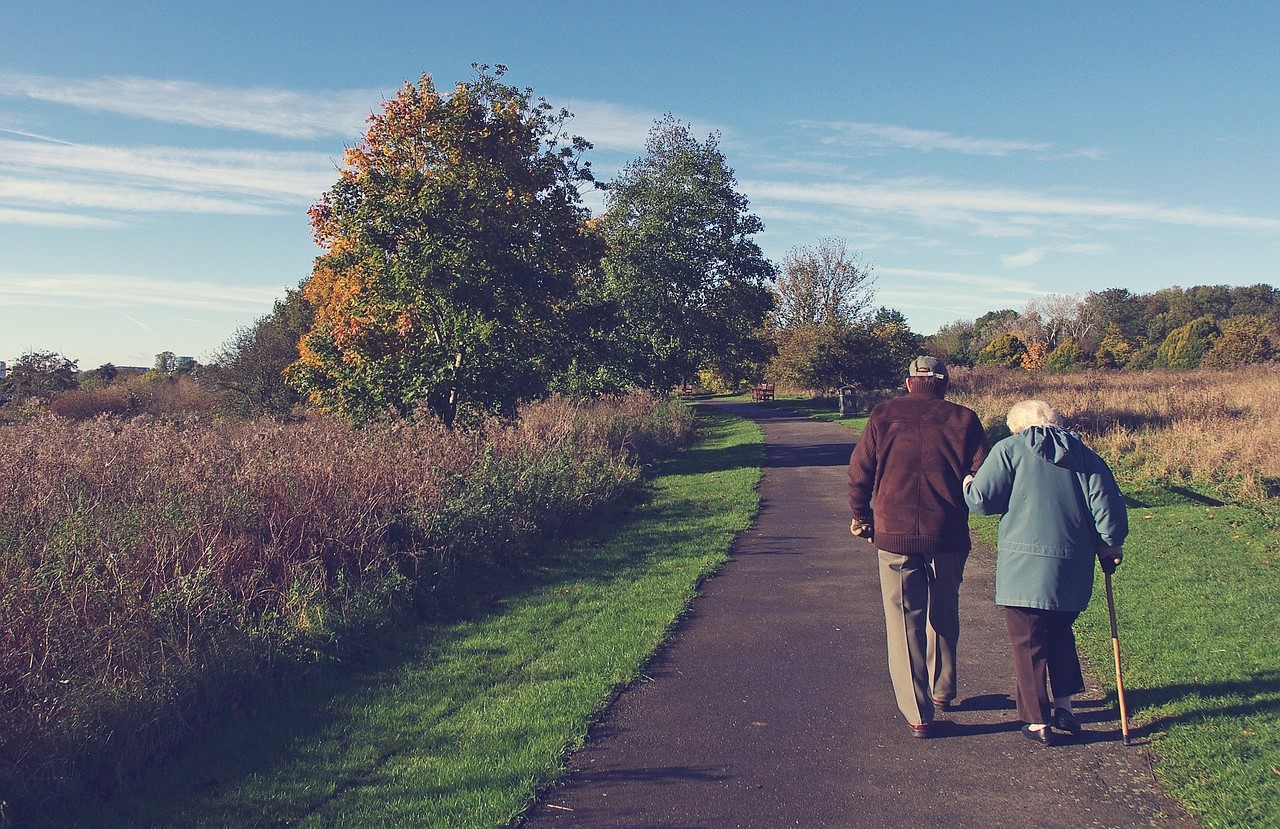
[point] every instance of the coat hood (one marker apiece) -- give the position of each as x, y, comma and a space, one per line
1056, 445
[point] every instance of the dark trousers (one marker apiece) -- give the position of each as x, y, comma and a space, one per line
1044, 648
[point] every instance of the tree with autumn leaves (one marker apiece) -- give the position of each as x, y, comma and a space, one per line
462, 272
454, 241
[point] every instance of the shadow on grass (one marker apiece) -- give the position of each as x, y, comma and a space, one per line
1260, 694
248, 746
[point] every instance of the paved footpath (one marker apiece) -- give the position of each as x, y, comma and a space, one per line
771, 706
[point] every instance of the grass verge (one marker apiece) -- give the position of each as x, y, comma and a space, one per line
460, 724
1197, 601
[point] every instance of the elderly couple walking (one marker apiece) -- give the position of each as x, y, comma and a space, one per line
921, 465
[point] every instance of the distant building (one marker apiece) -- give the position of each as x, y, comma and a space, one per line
4, 370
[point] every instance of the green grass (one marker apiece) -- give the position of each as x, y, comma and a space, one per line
461, 724
1197, 603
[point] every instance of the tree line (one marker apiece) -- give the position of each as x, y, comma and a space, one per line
1216, 326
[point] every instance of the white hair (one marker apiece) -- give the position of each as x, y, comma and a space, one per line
1030, 413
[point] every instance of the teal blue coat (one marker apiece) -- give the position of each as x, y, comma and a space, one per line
1059, 505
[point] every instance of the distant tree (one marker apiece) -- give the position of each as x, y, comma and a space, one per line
454, 242
1243, 340
820, 315
1186, 346
1066, 357
166, 363
825, 283
97, 378
684, 276
993, 323
39, 374
247, 375
1035, 354
1120, 308
882, 346
1255, 300
954, 343
1114, 351
1005, 350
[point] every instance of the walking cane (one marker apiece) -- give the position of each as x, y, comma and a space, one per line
1115, 647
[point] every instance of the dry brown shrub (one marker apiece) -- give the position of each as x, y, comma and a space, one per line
1207, 427
149, 567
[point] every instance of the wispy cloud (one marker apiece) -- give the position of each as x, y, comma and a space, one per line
611, 127
49, 182
925, 141
52, 218
265, 110
117, 292
284, 175
951, 294
935, 201
1032, 256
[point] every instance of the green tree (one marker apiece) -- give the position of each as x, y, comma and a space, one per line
1186, 345
1065, 357
686, 282
1005, 350
1243, 340
39, 374
247, 375
880, 349
1114, 350
954, 343
454, 242
98, 378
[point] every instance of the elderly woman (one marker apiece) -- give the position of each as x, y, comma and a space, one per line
1060, 509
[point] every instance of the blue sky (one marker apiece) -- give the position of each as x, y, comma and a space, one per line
157, 158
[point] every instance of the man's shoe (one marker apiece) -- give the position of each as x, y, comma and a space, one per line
922, 731
942, 704
1064, 720
1043, 736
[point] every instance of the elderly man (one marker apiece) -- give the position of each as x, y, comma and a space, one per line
905, 492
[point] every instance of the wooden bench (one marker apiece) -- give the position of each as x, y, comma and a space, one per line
688, 390
762, 391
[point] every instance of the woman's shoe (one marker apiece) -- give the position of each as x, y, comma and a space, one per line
1043, 736
1064, 720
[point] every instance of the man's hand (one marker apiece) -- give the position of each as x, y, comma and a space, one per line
861, 530
1110, 558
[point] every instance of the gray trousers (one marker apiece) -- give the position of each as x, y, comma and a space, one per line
921, 596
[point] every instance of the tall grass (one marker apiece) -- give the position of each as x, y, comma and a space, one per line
153, 572
1206, 428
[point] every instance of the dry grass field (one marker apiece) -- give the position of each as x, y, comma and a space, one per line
1208, 429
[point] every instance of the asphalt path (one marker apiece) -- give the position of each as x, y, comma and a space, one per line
771, 705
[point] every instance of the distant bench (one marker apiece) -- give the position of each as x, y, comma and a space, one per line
762, 391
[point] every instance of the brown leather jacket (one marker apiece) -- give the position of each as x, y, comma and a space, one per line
906, 473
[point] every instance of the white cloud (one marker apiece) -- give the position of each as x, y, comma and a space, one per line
1032, 256
611, 127
116, 292
53, 183
930, 200
925, 141
47, 218
265, 110
121, 198
288, 176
